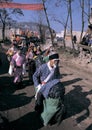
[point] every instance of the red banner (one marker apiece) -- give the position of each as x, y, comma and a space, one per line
22, 6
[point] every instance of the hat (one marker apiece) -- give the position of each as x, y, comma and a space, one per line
90, 26
54, 57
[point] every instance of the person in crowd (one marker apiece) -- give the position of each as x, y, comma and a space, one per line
35, 50
17, 61
12, 38
74, 39
24, 49
31, 63
11, 51
46, 53
14, 42
38, 51
38, 58
90, 42
18, 39
49, 89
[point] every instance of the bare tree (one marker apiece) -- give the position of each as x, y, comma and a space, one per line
6, 18
89, 7
3, 16
50, 30
71, 24
65, 26
62, 21
82, 16
69, 14
41, 27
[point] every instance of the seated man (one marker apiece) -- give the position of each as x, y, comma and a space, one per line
49, 89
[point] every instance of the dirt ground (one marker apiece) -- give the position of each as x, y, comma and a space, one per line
79, 61
76, 75
77, 78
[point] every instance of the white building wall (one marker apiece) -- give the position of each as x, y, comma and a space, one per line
61, 34
77, 33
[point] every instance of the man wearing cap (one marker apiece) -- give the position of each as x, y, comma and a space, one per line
46, 78
48, 74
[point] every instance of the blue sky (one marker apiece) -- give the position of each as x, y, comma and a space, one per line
58, 12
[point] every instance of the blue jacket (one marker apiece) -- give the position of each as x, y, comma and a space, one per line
41, 74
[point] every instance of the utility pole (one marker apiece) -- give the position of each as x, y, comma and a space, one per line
48, 22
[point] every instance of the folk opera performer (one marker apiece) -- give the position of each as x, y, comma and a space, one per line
48, 88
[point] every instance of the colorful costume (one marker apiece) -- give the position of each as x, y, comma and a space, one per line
18, 60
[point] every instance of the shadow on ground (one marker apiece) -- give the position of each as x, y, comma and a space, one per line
4, 63
30, 121
89, 127
76, 101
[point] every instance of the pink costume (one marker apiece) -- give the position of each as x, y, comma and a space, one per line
18, 61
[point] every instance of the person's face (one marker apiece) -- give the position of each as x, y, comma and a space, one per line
54, 63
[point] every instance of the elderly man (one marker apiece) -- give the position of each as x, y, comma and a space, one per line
48, 88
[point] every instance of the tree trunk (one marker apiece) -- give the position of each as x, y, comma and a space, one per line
3, 32
65, 27
89, 11
71, 28
82, 30
48, 23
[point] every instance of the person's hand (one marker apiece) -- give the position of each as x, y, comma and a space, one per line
43, 83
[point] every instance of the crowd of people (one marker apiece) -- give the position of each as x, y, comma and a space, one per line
43, 74
20, 56
87, 38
